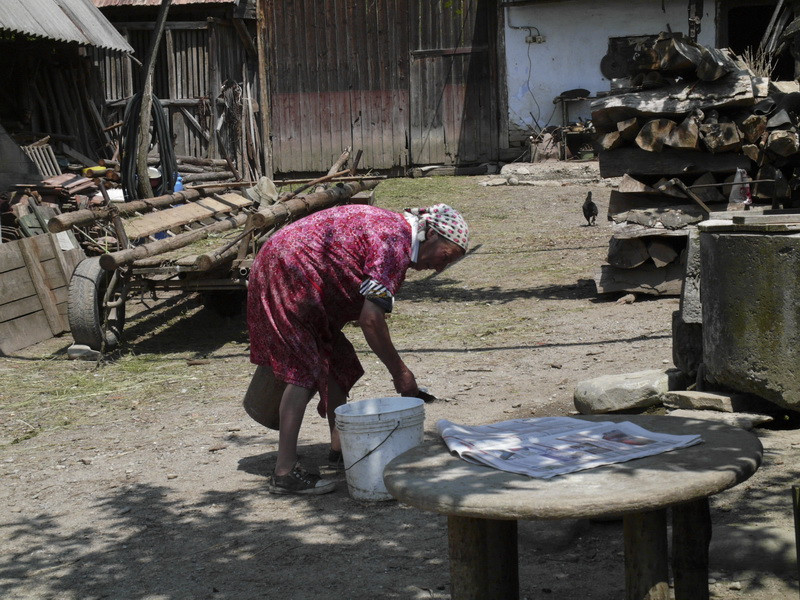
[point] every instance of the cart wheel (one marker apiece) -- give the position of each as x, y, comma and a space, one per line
85, 311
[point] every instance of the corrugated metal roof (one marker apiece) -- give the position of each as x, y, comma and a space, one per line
104, 3
62, 20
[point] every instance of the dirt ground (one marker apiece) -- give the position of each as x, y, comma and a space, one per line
142, 477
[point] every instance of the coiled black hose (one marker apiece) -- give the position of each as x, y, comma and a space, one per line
131, 123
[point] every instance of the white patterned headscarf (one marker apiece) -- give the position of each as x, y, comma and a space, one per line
445, 220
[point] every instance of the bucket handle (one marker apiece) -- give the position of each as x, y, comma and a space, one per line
375, 448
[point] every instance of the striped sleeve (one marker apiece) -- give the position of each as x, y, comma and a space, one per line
377, 293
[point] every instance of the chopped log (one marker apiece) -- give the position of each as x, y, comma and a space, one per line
783, 143
628, 129
627, 253
753, 127
669, 162
686, 135
646, 279
666, 187
679, 54
609, 141
752, 152
661, 252
709, 193
776, 191
208, 176
654, 133
203, 162
336, 166
680, 99
714, 64
721, 137
629, 185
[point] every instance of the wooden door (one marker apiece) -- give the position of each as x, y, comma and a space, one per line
453, 105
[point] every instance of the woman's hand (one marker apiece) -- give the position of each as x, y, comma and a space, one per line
405, 383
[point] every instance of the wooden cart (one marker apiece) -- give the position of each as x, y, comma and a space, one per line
168, 244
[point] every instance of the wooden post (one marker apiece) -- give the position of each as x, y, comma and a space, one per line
213, 84
145, 189
646, 573
483, 559
796, 506
263, 39
691, 536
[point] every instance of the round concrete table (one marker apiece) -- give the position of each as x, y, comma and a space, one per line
483, 505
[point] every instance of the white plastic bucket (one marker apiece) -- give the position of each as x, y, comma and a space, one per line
372, 433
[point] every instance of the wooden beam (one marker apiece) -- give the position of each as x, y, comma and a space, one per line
668, 162
29, 253
244, 35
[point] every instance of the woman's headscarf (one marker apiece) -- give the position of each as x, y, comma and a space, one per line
445, 220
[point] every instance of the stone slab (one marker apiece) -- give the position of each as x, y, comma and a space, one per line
691, 307
751, 314
428, 477
744, 420
694, 400
627, 391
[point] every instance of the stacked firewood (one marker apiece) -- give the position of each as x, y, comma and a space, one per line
690, 118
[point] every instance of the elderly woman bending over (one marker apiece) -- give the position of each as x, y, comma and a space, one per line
338, 265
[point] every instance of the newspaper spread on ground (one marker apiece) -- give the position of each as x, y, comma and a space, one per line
549, 446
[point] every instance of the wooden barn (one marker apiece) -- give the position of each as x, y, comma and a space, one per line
205, 76
409, 82
49, 89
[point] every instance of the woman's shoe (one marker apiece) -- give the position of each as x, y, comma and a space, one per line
301, 482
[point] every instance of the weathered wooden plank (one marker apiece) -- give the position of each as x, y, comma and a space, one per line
10, 257
681, 99
178, 216
43, 288
668, 162
23, 332
645, 279
20, 308
15, 285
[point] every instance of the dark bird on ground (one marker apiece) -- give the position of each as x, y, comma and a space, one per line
589, 210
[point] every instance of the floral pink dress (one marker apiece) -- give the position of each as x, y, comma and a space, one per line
306, 283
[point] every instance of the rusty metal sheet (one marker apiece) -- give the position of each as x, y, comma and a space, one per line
62, 20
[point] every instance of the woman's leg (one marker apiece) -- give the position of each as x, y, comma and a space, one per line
336, 397
293, 407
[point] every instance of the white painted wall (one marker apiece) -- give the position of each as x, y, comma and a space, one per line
576, 39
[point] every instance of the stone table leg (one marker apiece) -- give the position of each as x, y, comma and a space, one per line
691, 536
483, 559
646, 570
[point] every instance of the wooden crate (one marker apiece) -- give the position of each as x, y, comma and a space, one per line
34, 280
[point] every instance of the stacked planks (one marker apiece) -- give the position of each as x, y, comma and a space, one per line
34, 277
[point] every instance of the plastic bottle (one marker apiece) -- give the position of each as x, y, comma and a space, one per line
179, 184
